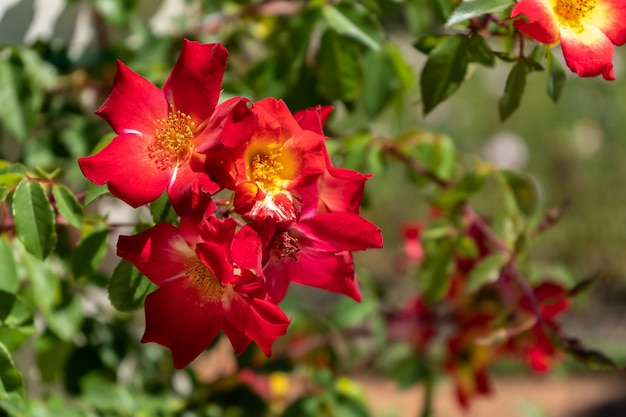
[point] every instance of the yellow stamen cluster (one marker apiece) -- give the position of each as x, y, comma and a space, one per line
174, 139
205, 280
570, 12
265, 169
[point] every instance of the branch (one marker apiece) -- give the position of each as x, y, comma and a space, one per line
392, 150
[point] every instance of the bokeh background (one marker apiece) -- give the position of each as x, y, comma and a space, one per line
574, 150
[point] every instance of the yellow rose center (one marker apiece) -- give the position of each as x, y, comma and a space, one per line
174, 139
205, 281
264, 169
574, 9
570, 12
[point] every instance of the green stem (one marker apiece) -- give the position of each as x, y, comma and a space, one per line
429, 392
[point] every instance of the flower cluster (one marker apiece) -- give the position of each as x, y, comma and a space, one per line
228, 262
504, 317
587, 30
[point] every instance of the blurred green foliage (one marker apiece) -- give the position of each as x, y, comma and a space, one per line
392, 73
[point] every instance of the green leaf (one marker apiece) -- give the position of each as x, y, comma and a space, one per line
433, 277
11, 174
349, 406
468, 9
436, 152
443, 9
7, 300
349, 313
466, 247
506, 56
41, 74
514, 90
8, 271
409, 371
524, 191
104, 395
485, 271
556, 77
403, 71
11, 112
357, 148
344, 26
592, 359
67, 205
427, 43
162, 210
54, 297
379, 81
534, 60
11, 381
444, 71
52, 354
306, 406
339, 66
95, 191
15, 313
34, 219
128, 287
462, 190
480, 52
115, 11
89, 252
583, 286
376, 160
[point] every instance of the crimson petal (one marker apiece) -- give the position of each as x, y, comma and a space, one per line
126, 167
160, 253
195, 82
134, 104
178, 318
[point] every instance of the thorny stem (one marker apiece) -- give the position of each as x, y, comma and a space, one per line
264, 8
534, 303
392, 150
521, 45
548, 221
551, 218
484, 227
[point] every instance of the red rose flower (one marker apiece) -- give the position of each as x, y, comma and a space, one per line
208, 276
160, 131
587, 30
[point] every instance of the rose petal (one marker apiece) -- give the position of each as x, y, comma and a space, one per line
278, 111
179, 319
337, 232
195, 82
160, 252
542, 23
341, 189
126, 167
231, 125
610, 17
588, 53
329, 271
260, 320
134, 104
190, 192
313, 118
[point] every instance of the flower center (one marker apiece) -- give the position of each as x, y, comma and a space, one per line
285, 245
264, 169
204, 279
174, 139
574, 9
